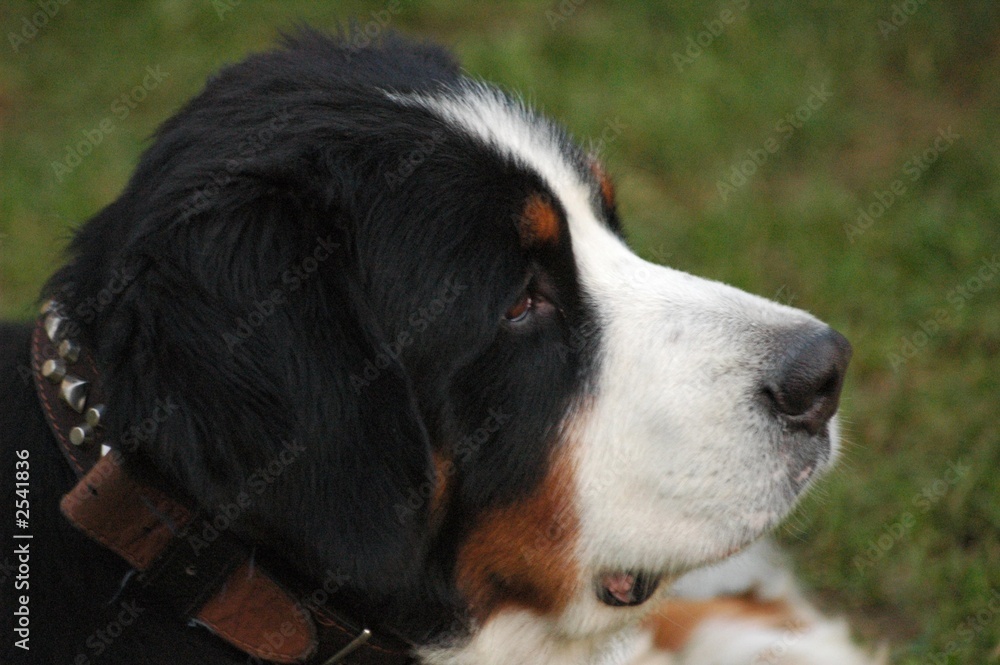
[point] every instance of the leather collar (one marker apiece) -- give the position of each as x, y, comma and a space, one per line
217, 585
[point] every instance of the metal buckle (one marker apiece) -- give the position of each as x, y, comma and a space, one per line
353, 646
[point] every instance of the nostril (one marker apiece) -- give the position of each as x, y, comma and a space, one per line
805, 387
830, 386
799, 392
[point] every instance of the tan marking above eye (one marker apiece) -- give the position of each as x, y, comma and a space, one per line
540, 221
607, 187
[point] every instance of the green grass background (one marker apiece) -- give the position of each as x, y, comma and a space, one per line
673, 132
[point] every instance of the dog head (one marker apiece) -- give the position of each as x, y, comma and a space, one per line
397, 325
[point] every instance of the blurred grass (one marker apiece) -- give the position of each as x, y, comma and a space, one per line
782, 234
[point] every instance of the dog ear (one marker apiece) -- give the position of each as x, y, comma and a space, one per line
242, 364
229, 342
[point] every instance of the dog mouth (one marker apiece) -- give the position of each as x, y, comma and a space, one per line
805, 461
626, 588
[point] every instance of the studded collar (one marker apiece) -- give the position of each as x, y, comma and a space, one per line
218, 586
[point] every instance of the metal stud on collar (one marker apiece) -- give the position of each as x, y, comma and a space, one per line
81, 434
74, 392
54, 369
53, 325
73, 389
353, 646
94, 415
69, 350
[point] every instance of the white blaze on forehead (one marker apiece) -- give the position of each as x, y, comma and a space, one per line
511, 128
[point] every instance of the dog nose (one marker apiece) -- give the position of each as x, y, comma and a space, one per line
805, 389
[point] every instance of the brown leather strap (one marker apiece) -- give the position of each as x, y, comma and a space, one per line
139, 522
237, 600
133, 521
252, 612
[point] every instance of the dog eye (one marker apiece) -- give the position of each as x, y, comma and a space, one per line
529, 307
522, 309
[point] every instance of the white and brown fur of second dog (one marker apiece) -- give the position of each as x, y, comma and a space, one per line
748, 610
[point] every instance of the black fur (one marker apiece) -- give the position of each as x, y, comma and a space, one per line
300, 260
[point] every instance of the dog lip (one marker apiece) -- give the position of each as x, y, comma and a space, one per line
626, 588
805, 459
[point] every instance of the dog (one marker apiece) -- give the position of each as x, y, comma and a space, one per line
359, 368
